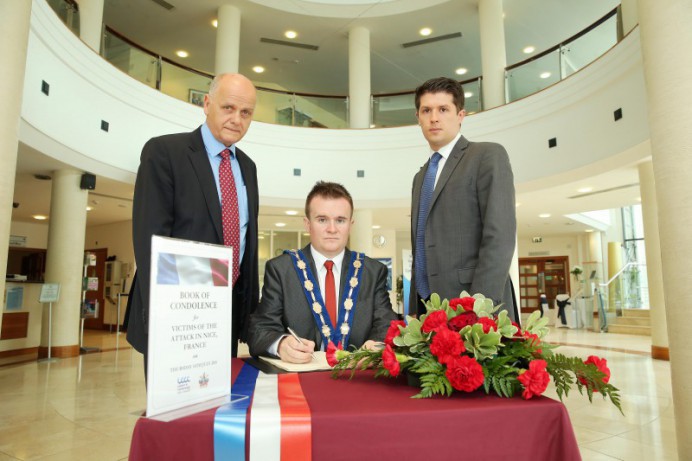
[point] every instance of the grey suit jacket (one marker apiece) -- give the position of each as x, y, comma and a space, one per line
284, 304
471, 229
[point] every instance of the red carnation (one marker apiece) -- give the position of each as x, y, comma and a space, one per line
533, 340
464, 373
488, 324
331, 353
468, 303
463, 319
434, 320
446, 345
601, 364
393, 331
535, 379
389, 361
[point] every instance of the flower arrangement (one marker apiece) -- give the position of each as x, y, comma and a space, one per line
463, 345
576, 271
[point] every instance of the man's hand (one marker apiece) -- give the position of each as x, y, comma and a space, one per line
290, 350
372, 345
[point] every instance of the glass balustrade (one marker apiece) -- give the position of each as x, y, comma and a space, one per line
286, 108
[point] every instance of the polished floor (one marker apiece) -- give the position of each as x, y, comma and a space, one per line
84, 408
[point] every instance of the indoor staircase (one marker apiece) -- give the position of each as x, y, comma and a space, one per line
632, 322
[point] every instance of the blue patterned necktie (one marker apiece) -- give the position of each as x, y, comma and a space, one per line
426, 193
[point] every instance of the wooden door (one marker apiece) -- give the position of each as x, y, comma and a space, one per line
544, 275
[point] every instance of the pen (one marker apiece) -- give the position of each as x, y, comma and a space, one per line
293, 333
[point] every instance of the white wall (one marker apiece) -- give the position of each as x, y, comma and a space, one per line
117, 237
36, 233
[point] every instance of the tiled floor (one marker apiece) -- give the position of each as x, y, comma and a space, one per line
84, 408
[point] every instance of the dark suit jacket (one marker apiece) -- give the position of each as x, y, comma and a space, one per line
176, 196
284, 304
471, 229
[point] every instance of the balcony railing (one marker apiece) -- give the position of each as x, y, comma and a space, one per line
331, 111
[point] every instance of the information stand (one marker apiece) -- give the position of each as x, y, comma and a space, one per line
50, 292
189, 354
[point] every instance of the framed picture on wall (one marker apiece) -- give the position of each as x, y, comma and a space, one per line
196, 97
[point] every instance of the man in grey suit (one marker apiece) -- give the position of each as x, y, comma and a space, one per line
463, 222
299, 295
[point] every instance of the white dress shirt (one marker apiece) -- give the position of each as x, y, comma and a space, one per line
444, 152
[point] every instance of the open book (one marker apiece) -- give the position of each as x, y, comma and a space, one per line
317, 364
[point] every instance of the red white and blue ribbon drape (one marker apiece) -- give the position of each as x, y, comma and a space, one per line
268, 410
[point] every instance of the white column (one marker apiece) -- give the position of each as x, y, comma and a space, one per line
64, 262
359, 77
228, 40
659, 332
361, 232
665, 29
14, 36
493, 56
91, 23
628, 9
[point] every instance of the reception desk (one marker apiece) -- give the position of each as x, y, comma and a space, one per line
366, 418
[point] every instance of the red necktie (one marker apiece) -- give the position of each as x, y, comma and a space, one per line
330, 292
229, 211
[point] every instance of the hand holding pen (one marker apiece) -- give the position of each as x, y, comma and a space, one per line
297, 351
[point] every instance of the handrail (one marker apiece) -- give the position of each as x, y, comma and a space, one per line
569, 40
617, 274
328, 115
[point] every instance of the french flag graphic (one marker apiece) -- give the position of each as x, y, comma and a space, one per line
176, 269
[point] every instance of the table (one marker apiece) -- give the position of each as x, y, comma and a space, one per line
367, 418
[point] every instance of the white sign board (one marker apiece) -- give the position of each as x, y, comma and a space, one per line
50, 292
189, 357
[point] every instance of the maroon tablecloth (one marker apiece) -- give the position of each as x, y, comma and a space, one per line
365, 419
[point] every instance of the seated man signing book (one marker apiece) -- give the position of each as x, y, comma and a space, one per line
324, 292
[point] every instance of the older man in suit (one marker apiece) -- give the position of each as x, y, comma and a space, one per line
301, 288
463, 212
200, 186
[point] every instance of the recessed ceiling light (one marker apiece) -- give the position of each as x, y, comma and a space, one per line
280, 224
545, 75
40, 217
639, 199
260, 237
461, 71
215, 22
290, 34
588, 230
306, 234
89, 208
182, 53
425, 31
544, 215
468, 94
291, 212
258, 69
584, 190
529, 49
376, 226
